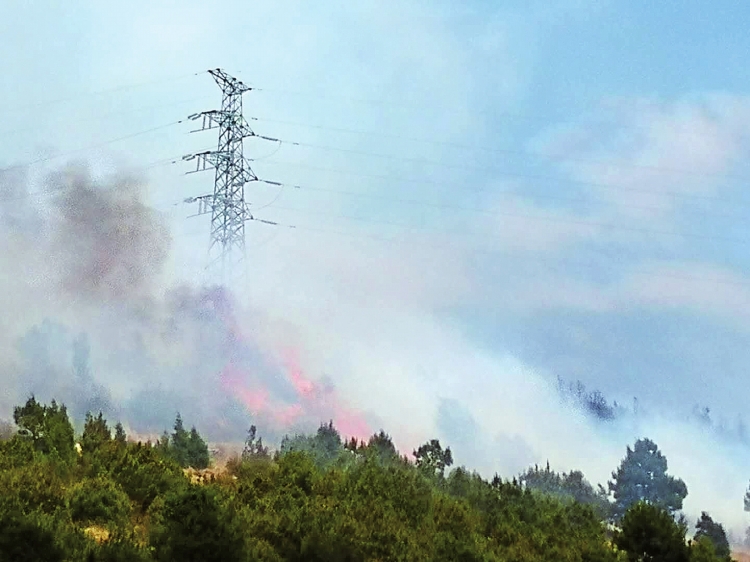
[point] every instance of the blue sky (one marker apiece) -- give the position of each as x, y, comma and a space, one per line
561, 186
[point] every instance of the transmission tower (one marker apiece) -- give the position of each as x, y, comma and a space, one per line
227, 206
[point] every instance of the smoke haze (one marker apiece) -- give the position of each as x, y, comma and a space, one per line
99, 328
563, 215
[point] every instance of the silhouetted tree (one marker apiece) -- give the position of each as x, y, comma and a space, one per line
254, 446
120, 436
48, 428
197, 450
713, 531
649, 533
380, 446
642, 476
95, 433
572, 486
179, 444
432, 459
325, 448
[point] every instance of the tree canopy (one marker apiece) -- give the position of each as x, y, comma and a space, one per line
642, 476
318, 498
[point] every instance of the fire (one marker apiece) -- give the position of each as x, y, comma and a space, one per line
312, 402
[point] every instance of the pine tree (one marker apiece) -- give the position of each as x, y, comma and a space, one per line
432, 459
47, 427
179, 445
713, 531
95, 432
642, 476
254, 447
197, 451
120, 436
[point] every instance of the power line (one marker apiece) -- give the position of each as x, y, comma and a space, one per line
502, 173
559, 220
509, 252
40, 194
403, 179
89, 147
443, 110
112, 113
119, 88
495, 150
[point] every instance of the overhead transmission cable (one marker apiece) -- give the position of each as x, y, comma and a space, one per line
122, 87
501, 192
501, 173
508, 252
496, 150
89, 147
109, 114
560, 220
443, 110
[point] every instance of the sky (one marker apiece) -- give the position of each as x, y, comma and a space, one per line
491, 196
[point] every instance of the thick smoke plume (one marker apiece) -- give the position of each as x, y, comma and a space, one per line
107, 244
91, 320
96, 326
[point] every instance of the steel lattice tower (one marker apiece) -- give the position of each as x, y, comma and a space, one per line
227, 205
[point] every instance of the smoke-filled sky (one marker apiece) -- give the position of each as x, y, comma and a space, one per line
491, 197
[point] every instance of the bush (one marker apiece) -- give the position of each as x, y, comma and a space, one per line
194, 527
22, 539
98, 500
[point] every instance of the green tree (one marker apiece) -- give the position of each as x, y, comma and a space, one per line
197, 450
325, 448
15, 453
34, 487
48, 427
186, 448
96, 433
650, 533
642, 476
380, 446
571, 486
120, 436
144, 472
24, 540
180, 443
98, 500
431, 459
194, 527
254, 446
707, 528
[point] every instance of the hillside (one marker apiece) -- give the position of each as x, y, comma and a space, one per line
100, 496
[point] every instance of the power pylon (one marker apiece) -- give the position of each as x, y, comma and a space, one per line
227, 206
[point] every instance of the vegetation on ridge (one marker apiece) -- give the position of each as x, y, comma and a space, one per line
321, 498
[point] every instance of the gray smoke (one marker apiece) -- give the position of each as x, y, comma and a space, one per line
107, 243
89, 323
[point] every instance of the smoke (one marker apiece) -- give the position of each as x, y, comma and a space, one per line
93, 321
107, 243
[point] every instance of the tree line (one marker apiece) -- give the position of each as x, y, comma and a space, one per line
98, 496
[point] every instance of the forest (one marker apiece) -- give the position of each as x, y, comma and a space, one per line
100, 496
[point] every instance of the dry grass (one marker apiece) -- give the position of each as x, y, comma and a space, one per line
99, 534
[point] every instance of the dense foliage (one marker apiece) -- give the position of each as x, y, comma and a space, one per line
319, 498
642, 476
